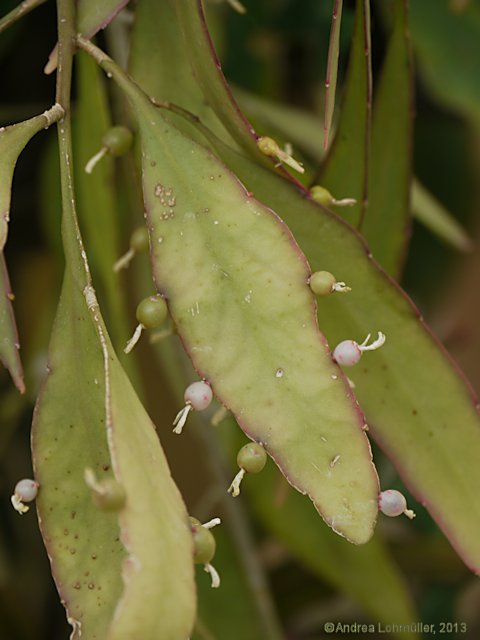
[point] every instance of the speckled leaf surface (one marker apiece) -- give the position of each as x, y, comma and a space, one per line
87, 395
69, 434
419, 407
236, 284
387, 219
345, 168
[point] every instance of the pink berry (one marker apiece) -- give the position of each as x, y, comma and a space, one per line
199, 395
26, 490
392, 503
347, 353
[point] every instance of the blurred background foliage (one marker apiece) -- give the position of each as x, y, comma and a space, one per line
277, 52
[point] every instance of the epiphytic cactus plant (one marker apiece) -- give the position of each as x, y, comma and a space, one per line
267, 284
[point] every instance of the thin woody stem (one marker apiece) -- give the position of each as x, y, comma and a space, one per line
15, 14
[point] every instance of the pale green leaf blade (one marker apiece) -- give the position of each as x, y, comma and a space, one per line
419, 407
9, 344
13, 139
387, 219
332, 70
158, 574
156, 41
431, 213
238, 301
207, 70
69, 435
93, 15
345, 169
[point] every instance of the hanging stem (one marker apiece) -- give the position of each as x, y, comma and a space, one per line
15, 14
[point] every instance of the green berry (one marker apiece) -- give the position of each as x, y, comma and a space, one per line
152, 312
252, 457
139, 241
117, 141
204, 544
321, 195
322, 283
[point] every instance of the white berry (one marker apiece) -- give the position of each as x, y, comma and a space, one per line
347, 353
393, 503
199, 395
25, 491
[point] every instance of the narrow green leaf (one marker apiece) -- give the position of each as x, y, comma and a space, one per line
332, 70
98, 208
156, 41
88, 417
345, 169
13, 139
9, 344
430, 212
237, 288
419, 407
447, 45
159, 594
207, 70
68, 436
303, 129
387, 219
93, 15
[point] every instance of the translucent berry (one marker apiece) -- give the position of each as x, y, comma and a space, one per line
152, 312
393, 503
322, 282
269, 147
348, 352
324, 197
252, 457
204, 546
198, 397
139, 241
25, 491
203, 542
117, 140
